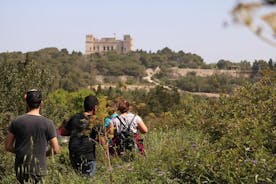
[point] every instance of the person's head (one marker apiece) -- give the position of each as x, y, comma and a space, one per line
111, 107
90, 103
123, 106
33, 98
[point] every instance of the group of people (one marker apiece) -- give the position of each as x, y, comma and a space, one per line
30, 134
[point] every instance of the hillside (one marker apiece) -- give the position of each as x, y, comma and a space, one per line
191, 139
72, 71
182, 72
175, 74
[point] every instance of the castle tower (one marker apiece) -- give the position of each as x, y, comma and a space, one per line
89, 44
127, 44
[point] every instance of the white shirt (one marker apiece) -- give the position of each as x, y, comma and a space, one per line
127, 118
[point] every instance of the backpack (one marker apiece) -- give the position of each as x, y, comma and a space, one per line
82, 143
125, 139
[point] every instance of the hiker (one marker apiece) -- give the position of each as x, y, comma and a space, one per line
111, 110
28, 138
83, 138
127, 124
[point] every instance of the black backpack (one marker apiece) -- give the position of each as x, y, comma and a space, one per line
126, 136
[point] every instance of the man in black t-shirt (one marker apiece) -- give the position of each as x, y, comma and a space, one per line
31, 132
82, 143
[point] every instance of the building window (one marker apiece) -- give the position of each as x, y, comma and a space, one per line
94, 48
107, 47
104, 48
111, 47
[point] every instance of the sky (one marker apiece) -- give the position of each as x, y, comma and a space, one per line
191, 26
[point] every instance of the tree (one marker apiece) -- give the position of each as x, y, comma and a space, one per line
18, 77
270, 64
259, 65
223, 64
245, 65
161, 100
65, 51
166, 51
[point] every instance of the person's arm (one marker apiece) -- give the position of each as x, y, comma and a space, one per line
51, 136
55, 145
110, 128
142, 127
9, 143
102, 140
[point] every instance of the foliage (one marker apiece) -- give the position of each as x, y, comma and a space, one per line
223, 64
214, 83
61, 104
191, 139
242, 127
258, 16
259, 65
72, 71
17, 77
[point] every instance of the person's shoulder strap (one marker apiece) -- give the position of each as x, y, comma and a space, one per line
132, 120
121, 122
127, 125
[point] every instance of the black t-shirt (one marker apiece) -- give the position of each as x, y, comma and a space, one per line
32, 134
82, 142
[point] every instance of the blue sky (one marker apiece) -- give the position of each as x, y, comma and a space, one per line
192, 26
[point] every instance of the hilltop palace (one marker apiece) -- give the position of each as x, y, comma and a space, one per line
95, 45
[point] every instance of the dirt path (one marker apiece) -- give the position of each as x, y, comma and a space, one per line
155, 82
150, 73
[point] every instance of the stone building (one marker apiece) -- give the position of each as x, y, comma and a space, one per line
95, 45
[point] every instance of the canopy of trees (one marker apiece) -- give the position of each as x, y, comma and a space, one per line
72, 71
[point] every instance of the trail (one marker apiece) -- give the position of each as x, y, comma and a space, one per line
153, 82
151, 72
